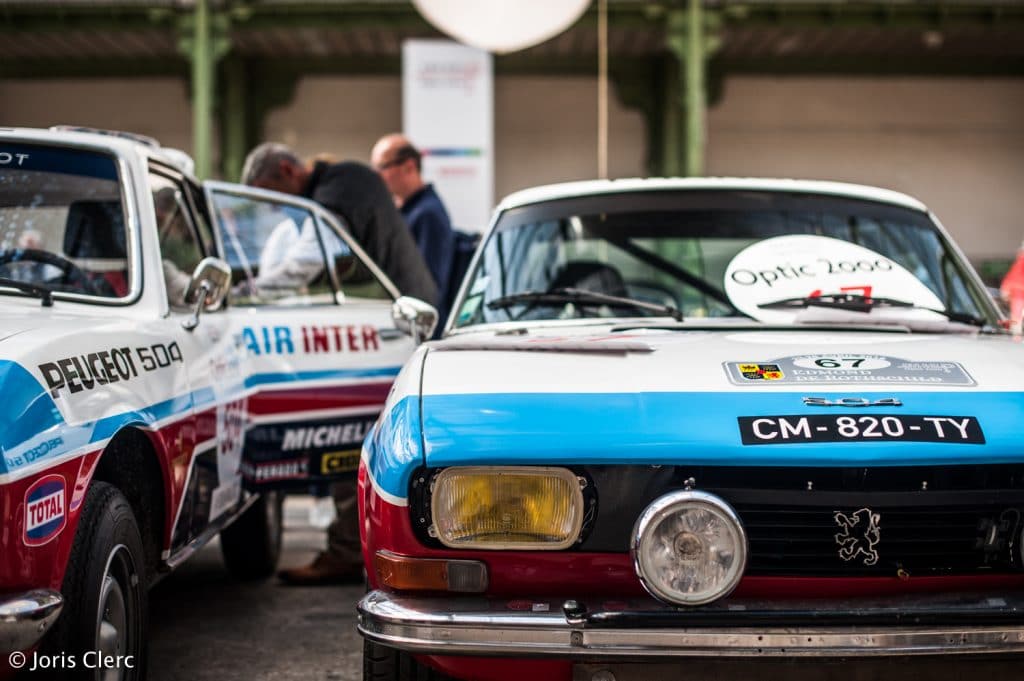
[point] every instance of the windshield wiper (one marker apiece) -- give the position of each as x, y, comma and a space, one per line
560, 296
860, 303
40, 291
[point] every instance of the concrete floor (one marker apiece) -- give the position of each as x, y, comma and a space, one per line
204, 625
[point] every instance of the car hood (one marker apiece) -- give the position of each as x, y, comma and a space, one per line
13, 324
30, 335
662, 397
31, 324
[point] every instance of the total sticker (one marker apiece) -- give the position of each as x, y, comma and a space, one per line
45, 510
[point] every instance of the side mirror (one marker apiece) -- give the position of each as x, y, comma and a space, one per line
210, 284
414, 317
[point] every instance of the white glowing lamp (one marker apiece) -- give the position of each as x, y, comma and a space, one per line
501, 25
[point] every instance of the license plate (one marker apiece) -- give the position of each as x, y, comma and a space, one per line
796, 428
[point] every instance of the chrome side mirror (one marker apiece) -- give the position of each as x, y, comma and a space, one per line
210, 284
414, 317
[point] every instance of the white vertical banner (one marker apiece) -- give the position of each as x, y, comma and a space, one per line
448, 113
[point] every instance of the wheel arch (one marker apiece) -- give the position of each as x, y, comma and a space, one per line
131, 463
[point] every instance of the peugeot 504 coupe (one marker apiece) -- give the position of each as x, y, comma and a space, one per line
707, 417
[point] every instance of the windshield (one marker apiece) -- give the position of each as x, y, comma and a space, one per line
715, 254
62, 225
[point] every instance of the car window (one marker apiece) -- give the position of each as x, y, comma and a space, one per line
721, 254
285, 253
276, 252
180, 250
62, 221
202, 218
354, 276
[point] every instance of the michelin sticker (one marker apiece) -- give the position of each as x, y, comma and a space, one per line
846, 368
799, 266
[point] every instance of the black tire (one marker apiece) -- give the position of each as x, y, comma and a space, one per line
381, 663
105, 589
251, 545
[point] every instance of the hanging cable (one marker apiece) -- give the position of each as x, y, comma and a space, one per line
602, 89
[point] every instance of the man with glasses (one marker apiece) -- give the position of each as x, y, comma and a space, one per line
400, 166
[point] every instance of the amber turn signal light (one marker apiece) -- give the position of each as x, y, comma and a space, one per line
404, 573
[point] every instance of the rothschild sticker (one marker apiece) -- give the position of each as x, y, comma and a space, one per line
847, 369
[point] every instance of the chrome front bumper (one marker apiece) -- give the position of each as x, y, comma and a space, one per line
502, 628
26, 617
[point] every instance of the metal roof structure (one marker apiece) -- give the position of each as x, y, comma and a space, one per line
655, 59
749, 32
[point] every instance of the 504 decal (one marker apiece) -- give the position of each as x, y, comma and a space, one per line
87, 372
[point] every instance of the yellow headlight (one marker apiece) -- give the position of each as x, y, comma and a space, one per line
511, 507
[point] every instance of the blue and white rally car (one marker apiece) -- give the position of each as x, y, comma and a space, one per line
676, 418
171, 355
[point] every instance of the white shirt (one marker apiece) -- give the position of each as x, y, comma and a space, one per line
291, 258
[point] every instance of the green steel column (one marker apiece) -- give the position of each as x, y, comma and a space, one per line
671, 102
234, 132
687, 39
696, 92
203, 80
204, 39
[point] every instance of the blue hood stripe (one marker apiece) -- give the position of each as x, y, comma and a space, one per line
685, 428
27, 408
30, 412
394, 446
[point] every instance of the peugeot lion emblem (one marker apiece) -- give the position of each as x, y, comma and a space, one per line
859, 535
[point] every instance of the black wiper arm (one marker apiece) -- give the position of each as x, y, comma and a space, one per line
861, 303
580, 296
40, 291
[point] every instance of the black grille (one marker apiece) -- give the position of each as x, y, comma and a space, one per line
922, 540
932, 520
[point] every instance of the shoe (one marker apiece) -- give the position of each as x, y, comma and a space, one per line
325, 569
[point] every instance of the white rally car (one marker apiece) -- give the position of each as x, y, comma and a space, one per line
708, 417
168, 351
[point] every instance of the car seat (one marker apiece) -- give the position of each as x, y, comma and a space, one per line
591, 275
95, 230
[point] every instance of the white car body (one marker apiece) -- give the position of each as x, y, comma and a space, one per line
851, 416
182, 405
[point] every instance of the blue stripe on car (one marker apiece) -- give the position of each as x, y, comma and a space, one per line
394, 447
30, 411
264, 379
675, 428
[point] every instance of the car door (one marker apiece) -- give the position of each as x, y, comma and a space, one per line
201, 422
313, 314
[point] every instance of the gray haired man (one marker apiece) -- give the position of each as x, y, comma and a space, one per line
358, 195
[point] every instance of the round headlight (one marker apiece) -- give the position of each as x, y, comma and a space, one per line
689, 548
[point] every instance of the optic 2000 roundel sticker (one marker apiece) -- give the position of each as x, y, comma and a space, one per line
805, 266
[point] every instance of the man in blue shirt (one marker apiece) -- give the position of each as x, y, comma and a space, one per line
400, 166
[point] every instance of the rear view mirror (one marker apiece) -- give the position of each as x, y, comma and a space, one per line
210, 283
414, 317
